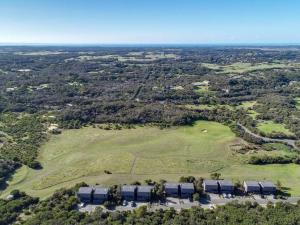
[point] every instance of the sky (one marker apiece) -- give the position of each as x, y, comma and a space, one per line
150, 21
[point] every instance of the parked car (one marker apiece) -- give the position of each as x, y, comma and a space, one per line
133, 204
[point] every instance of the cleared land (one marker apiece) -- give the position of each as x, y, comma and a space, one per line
143, 153
240, 68
135, 56
269, 127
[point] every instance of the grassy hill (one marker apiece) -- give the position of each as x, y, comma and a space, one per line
143, 153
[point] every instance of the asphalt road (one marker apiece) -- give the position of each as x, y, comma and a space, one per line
179, 204
289, 142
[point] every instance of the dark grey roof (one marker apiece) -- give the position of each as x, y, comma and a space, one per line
267, 184
145, 188
85, 190
252, 183
101, 191
225, 183
187, 186
171, 185
211, 182
128, 188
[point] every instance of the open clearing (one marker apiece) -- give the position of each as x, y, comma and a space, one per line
139, 57
239, 68
269, 127
143, 153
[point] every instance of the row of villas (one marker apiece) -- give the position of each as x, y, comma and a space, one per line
98, 195
226, 186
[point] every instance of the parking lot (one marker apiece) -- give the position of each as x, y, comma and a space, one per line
208, 202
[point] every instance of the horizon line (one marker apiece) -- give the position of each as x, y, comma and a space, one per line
2, 44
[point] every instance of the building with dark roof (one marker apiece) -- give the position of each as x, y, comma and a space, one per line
128, 192
100, 195
226, 186
144, 193
268, 187
211, 186
85, 194
186, 190
251, 187
172, 189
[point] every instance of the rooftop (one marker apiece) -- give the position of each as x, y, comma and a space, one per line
187, 186
128, 188
225, 183
171, 185
252, 183
267, 184
101, 191
85, 190
210, 182
145, 188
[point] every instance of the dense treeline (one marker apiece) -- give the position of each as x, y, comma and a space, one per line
21, 137
265, 159
11, 209
26, 134
83, 85
7, 167
133, 113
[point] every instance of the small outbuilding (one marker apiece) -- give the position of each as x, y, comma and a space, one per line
144, 193
268, 187
211, 186
100, 195
251, 187
172, 189
128, 192
226, 186
186, 190
85, 194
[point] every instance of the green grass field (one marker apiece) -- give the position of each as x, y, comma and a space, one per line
247, 105
269, 127
143, 153
297, 103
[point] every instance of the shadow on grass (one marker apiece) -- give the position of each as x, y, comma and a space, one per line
283, 192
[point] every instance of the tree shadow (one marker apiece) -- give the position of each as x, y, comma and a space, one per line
3, 185
283, 192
